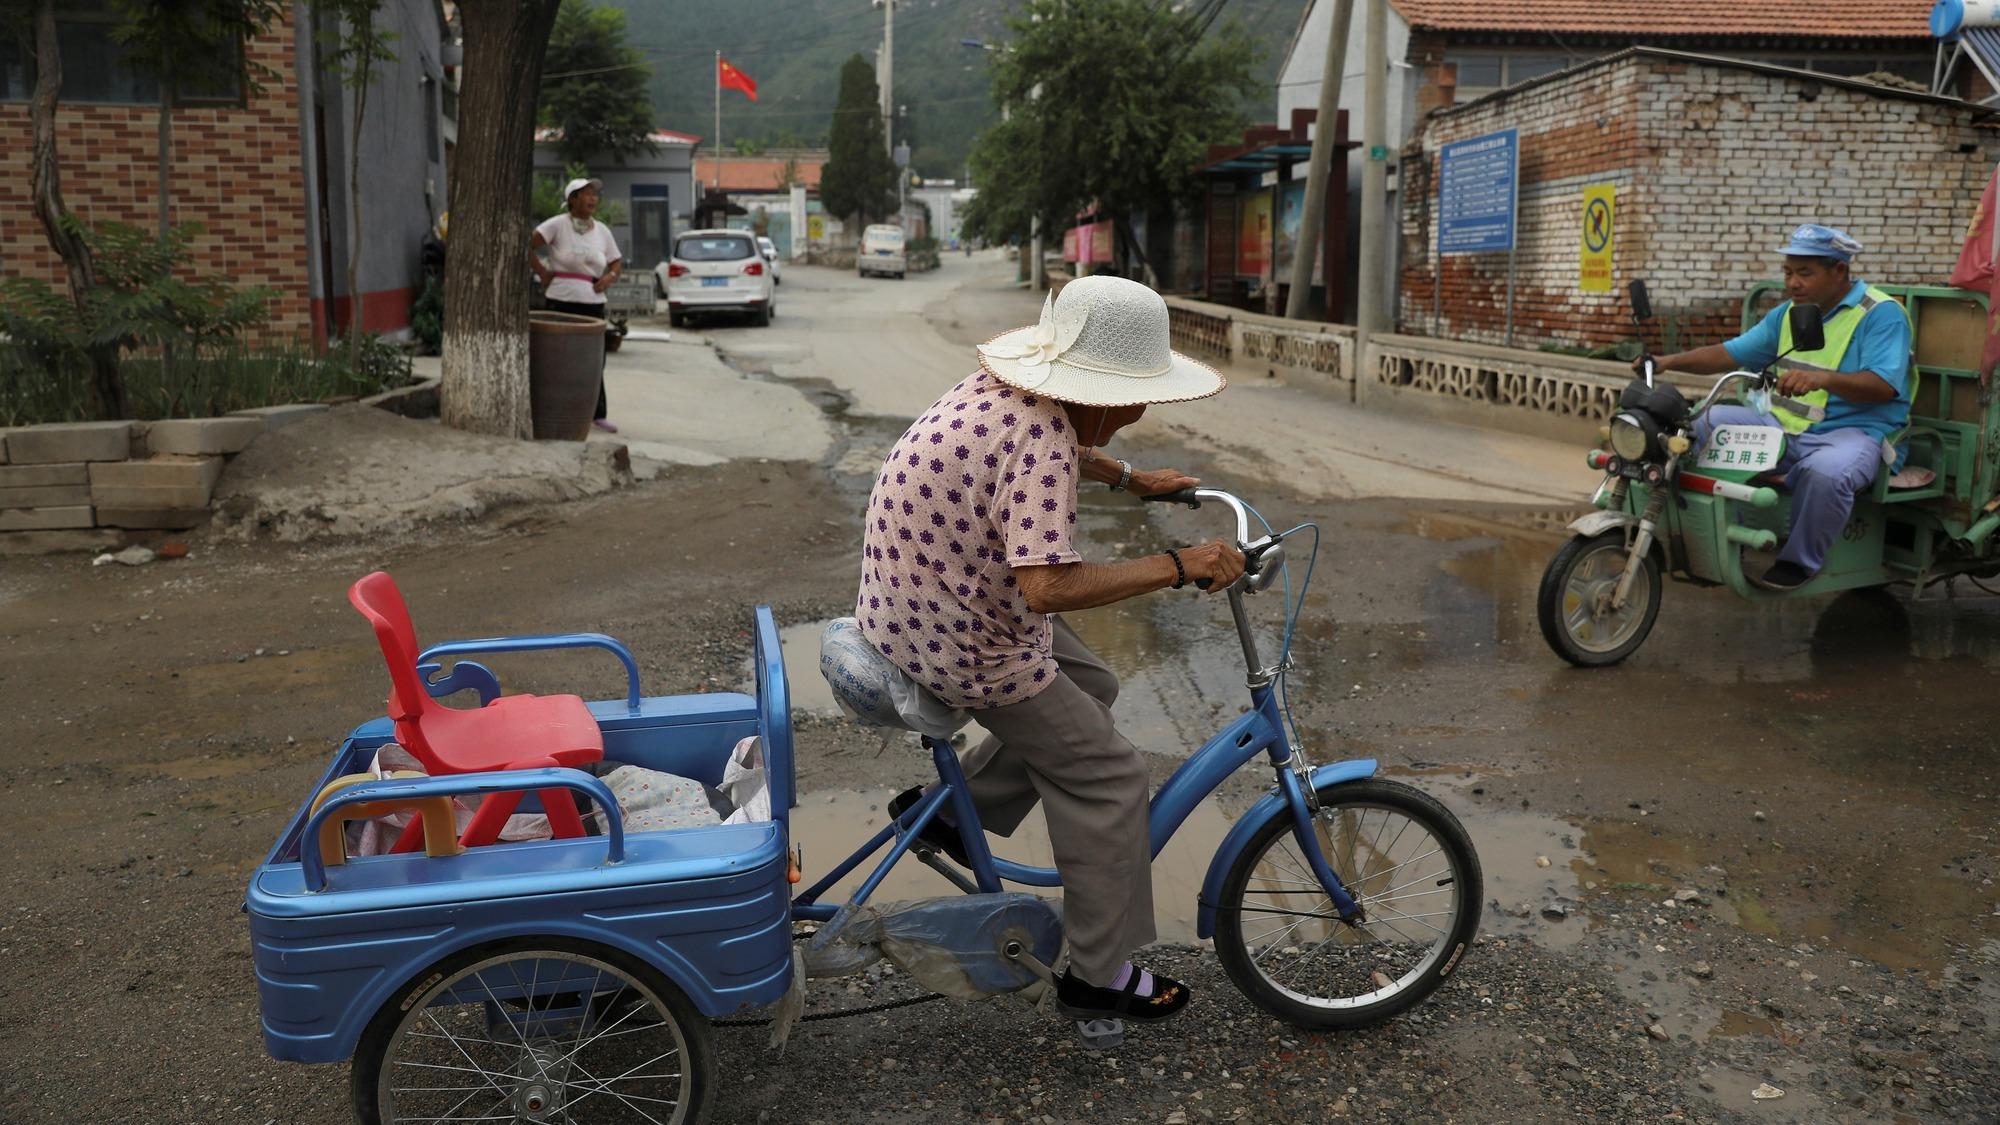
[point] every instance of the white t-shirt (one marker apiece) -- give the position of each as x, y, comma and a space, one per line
569, 252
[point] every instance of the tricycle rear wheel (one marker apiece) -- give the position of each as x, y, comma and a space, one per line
1406, 861
528, 1029
1569, 605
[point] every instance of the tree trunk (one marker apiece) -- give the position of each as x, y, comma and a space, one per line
166, 176
45, 185
355, 236
166, 144
485, 385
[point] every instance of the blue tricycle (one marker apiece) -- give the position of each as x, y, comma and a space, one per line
577, 979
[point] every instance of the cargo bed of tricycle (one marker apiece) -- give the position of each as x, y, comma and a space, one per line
708, 907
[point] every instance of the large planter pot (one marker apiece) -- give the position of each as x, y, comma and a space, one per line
565, 367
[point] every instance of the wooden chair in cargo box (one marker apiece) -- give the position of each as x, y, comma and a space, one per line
509, 733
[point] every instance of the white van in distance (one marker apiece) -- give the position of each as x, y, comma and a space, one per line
881, 251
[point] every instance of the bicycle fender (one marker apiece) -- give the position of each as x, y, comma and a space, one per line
1597, 523
1247, 825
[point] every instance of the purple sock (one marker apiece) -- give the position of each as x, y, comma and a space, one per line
1125, 975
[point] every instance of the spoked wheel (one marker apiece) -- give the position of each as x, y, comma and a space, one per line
543, 1031
1408, 863
1574, 604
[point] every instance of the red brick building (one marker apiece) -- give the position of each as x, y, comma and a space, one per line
1712, 161
236, 170
261, 164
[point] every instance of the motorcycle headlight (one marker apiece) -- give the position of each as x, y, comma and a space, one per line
1633, 435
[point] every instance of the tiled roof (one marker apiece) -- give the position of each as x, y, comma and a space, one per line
755, 173
1710, 19
658, 137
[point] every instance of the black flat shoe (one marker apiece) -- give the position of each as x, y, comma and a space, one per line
1080, 1000
1784, 576
937, 833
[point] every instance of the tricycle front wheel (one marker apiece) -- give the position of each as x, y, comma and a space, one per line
1406, 861
535, 1030
1574, 604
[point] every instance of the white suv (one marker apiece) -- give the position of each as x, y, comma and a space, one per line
716, 271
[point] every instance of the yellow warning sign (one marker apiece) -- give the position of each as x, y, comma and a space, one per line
1599, 217
815, 228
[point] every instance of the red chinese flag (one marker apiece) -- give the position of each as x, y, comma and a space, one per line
730, 78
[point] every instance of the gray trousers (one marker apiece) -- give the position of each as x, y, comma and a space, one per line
1061, 748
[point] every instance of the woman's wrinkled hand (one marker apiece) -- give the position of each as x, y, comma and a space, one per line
1158, 482
1215, 560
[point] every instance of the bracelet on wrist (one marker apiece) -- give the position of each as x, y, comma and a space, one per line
1180, 572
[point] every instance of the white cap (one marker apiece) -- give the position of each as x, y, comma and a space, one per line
575, 186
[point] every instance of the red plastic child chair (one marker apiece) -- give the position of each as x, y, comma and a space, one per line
513, 732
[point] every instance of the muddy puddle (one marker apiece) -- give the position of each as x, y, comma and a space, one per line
833, 825
1734, 712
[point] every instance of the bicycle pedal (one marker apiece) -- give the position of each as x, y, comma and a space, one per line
1101, 1035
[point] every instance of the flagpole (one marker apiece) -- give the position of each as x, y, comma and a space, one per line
718, 120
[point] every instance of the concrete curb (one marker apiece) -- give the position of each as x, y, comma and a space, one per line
418, 400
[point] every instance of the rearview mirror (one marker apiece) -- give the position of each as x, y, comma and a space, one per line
1642, 308
1808, 327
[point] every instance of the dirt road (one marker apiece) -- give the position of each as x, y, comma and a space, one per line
1820, 776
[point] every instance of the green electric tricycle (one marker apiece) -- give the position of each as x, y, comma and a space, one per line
1667, 509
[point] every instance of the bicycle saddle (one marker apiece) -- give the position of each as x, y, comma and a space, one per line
870, 688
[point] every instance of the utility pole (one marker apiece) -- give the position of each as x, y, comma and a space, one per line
1374, 180
888, 69
1306, 250
1037, 272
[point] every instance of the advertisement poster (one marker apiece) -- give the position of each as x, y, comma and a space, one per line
1599, 229
1253, 235
1291, 207
1070, 251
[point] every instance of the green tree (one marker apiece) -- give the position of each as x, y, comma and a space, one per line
1123, 130
353, 43
859, 179
595, 90
188, 45
33, 24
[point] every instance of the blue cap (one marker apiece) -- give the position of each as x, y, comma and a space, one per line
1812, 240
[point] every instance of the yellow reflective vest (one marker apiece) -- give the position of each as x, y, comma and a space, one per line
1797, 415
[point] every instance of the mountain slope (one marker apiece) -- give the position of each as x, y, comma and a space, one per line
794, 50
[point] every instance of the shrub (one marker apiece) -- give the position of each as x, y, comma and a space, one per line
427, 314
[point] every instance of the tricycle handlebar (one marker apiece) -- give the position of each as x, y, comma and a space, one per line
1721, 384
1193, 497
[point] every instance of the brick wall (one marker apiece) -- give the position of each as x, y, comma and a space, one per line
236, 171
1714, 166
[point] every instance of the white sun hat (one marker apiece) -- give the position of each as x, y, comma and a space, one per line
1101, 342
578, 185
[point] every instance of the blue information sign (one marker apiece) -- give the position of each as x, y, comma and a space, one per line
1477, 182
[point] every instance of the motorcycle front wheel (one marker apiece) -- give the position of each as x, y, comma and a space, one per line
1574, 608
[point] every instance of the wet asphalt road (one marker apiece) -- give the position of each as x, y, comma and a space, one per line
1770, 837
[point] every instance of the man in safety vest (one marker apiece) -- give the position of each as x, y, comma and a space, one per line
1838, 405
